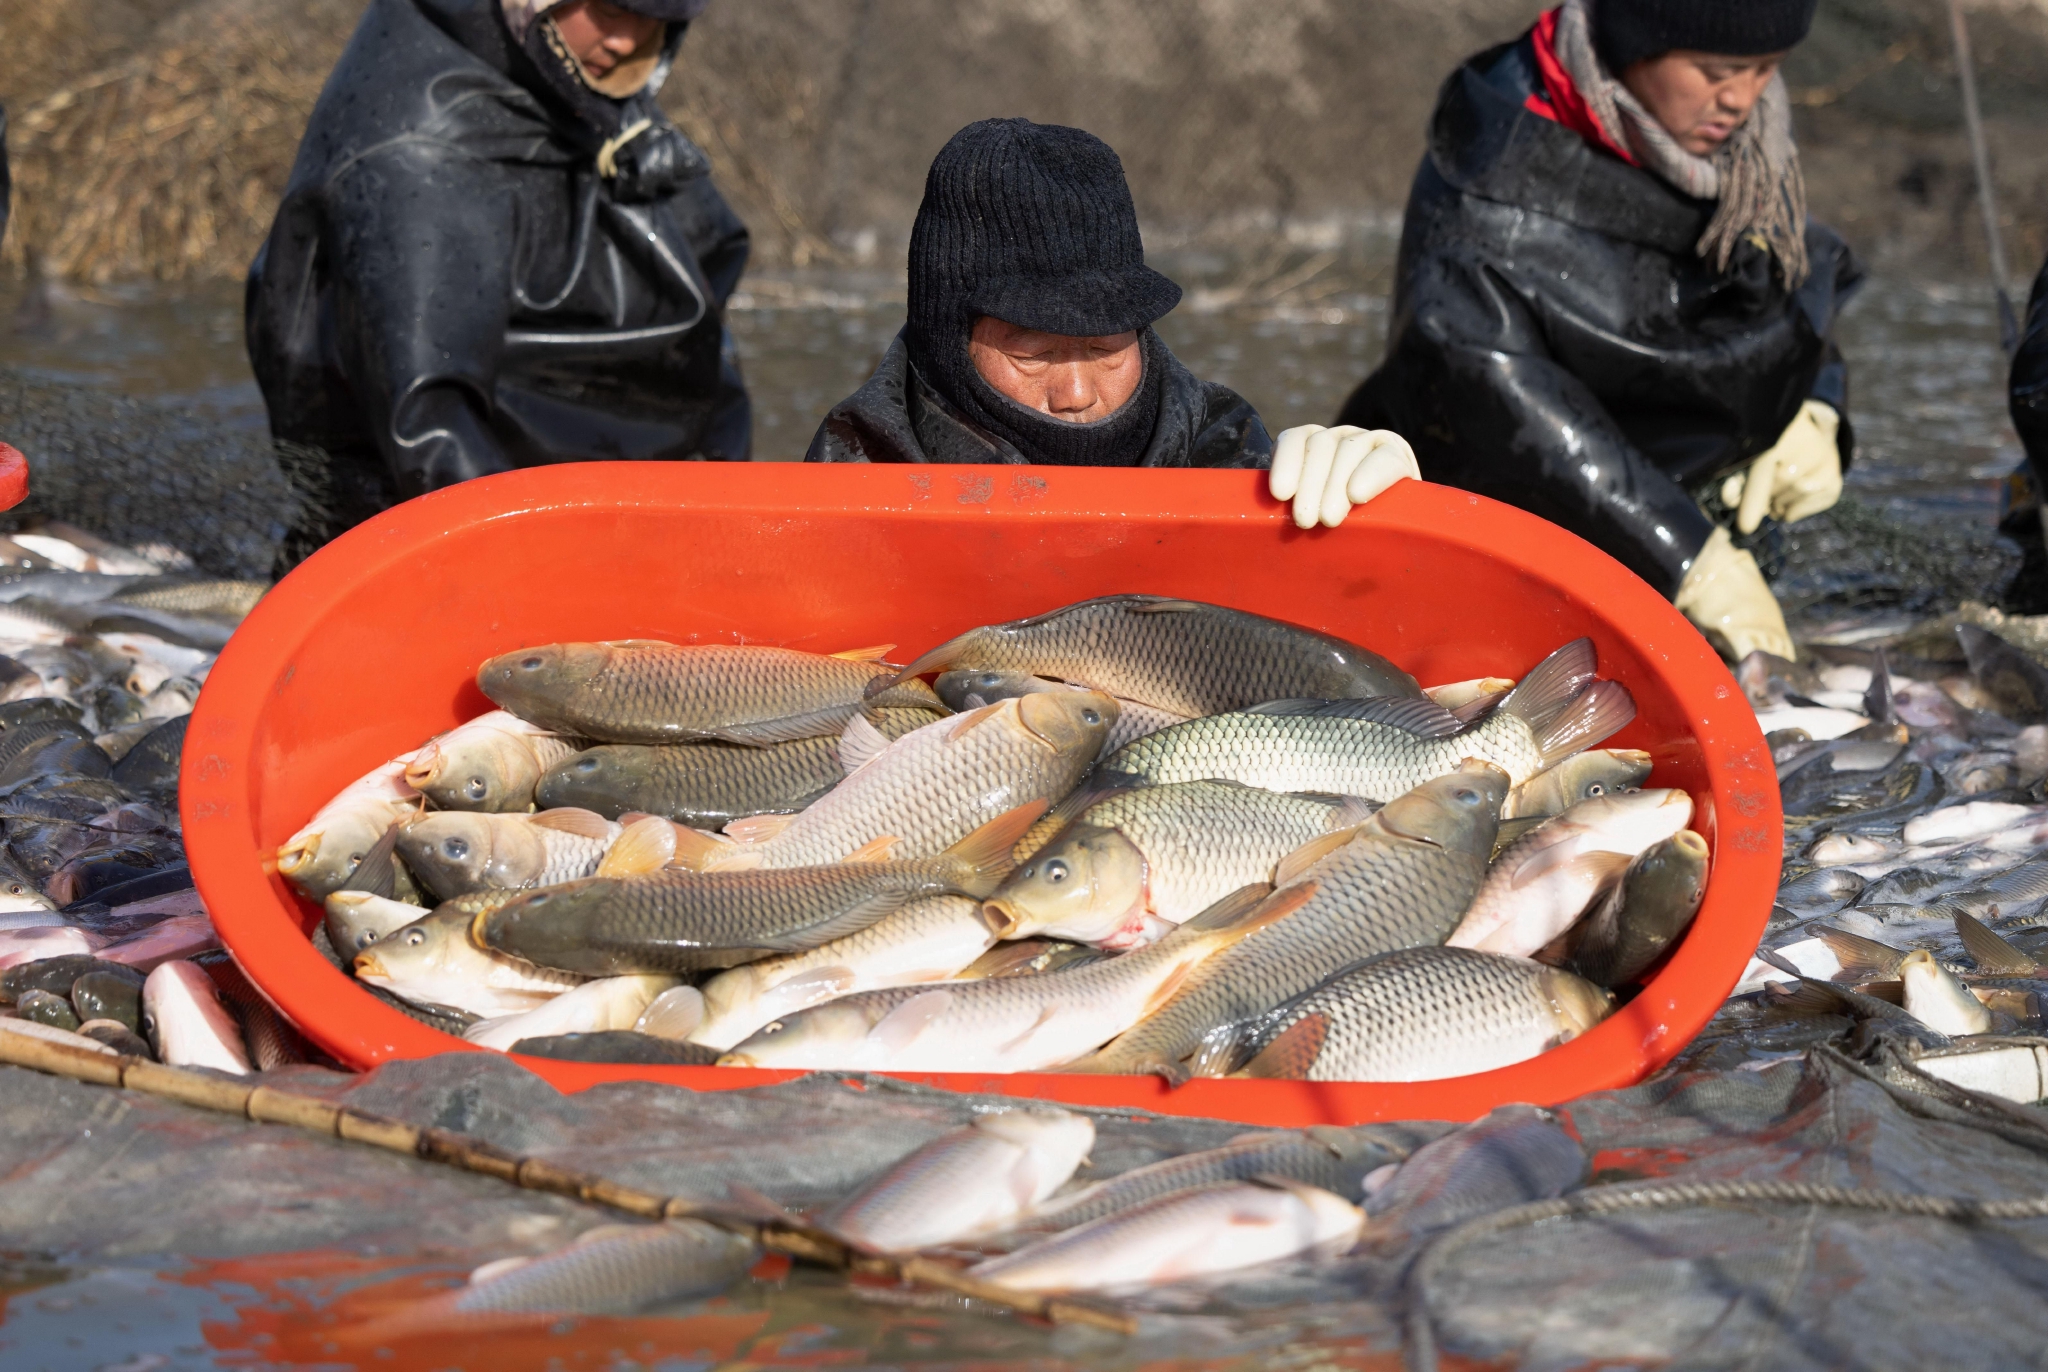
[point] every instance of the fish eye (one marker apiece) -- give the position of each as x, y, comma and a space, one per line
1465, 795
1596, 789
539, 898
456, 848
1091, 716
415, 937
530, 663
774, 1028
476, 788
586, 764
988, 679
1055, 871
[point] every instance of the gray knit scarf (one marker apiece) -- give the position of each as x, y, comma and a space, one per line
1754, 175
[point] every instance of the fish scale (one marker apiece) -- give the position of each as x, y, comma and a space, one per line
1310, 753
1421, 1014
1206, 839
1374, 895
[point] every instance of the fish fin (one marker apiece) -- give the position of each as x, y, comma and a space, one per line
1290, 868
1603, 869
699, 851
972, 720
1990, 952
875, 654
1595, 714
938, 659
1046, 1015
1877, 697
1858, 955
985, 853
1352, 811
1100, 786
1163, 605
1417, 715
1806, 1000
874, 850
754, 1205
1243, 913
571, 820
1552, 685
901, 1027
1238, 905
1216, 1055
638, 643
758, 828
788, 729
860, 743
377, 872
821, 983
1512, 829
1890, 992
1479, 707
648, 845
848, 921
1294, 1050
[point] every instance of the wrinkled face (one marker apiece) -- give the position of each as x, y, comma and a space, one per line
1700, 98
532, 677
1070, 721
601, 35
974, 688
1079, 380
1083, 886
1459, 812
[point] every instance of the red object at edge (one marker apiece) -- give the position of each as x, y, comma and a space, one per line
371, 646
1561, 101
13, 477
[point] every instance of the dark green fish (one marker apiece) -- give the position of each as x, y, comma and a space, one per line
1636, 921
1177, 655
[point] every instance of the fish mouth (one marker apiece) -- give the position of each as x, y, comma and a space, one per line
1001, 917
370, 965
298, 854
424, 769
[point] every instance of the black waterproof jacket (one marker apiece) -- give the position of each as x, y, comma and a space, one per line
897, 417
1558, 344
2029, 385
450, 289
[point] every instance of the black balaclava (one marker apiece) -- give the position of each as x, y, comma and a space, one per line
1629, 31
656, 158
1033, 224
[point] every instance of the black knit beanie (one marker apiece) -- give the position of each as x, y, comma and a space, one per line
1628, 31
1033, 224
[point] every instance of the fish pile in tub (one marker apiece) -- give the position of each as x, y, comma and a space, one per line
1132, 835
103, 941
1911, 761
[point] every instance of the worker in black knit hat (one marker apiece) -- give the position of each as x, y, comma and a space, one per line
1612, 309
1029, 338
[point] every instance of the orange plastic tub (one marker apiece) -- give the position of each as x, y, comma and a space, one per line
370, 647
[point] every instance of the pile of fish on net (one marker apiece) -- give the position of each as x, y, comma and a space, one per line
1911, 762
1159, 837
102, 652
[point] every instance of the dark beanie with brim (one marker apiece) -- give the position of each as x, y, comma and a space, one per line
1630, 31
1032, 224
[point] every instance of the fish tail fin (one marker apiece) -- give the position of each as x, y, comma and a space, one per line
1542, 695
648, 845
986, 855
936, 660
1294, 1050
1990, 952
1596, 713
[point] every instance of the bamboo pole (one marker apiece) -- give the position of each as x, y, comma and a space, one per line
267, 1105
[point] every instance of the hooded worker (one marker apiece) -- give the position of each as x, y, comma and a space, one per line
1029, 337
494, 251
1612, 309
2028, 383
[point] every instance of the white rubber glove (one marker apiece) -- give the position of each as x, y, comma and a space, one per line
1800, 475
1327, 471
1726, 596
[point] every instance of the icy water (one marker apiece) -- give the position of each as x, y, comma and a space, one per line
1294, 337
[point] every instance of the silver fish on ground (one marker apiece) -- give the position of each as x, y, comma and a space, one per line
965, 1183
1178, 655
188, 1026
926, 941
1545, 880
1515, 1155
1337, 1160
1423, 1014
920, 795
975, 688
1002, 1024
1217, 1228
492, 763
1133, 864
1402, 880
1938, 999
1382, 748
614, 1269
642, 691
